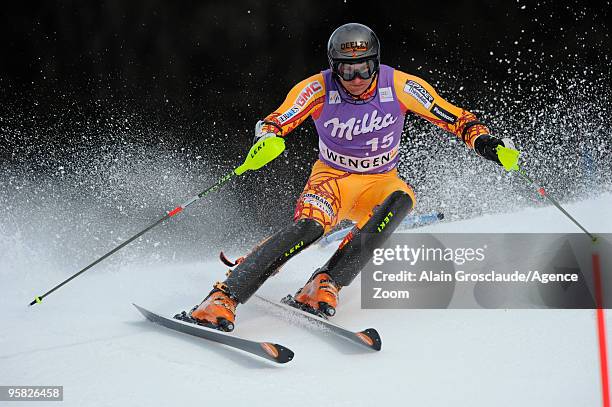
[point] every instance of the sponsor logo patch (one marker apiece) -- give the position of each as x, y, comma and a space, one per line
296, 248
443, 114
353, 47
320, 203
354, 127
386, 94
418, 92
301, 101
334, 97
357, 164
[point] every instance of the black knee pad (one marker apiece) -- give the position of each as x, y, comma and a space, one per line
348, 261
259, 265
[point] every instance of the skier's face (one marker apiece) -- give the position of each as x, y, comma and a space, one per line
358, 85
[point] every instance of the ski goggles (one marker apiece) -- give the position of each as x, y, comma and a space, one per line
349, 70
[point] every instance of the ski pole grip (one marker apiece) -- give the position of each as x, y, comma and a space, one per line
262, 153
508, 157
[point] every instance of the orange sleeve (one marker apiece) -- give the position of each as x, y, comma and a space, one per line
418, 96
304, 99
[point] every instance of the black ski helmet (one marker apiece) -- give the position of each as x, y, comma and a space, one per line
352, 43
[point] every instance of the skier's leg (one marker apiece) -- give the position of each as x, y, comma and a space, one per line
346, 263
320, 294
258, 266
218, 309
317, 211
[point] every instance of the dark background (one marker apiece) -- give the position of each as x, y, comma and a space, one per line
233, 62
128, 107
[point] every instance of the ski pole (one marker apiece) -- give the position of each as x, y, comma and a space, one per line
260, 154
509, 159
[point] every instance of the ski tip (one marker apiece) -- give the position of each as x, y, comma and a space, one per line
278, 353
143, 311
371, 338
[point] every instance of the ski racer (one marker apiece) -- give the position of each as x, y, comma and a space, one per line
358, 106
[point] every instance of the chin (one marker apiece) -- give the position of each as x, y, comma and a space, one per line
357, 91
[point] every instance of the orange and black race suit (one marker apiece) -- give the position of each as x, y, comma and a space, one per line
340, 186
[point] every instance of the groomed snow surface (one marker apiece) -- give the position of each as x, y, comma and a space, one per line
88, 338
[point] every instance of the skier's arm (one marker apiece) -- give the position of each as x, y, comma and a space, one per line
304, 99
418, 96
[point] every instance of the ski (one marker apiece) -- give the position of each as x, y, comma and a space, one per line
368, 337
267, 350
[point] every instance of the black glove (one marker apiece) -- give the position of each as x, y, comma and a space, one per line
486, 146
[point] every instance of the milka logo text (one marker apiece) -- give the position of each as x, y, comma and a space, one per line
354, 127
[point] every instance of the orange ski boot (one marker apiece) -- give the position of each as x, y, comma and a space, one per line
319, 296
217, 310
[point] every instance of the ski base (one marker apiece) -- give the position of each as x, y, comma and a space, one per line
368, 337
267, 350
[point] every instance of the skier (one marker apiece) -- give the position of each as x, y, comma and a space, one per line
358, 106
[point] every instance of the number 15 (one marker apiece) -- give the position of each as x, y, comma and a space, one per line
386, 142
